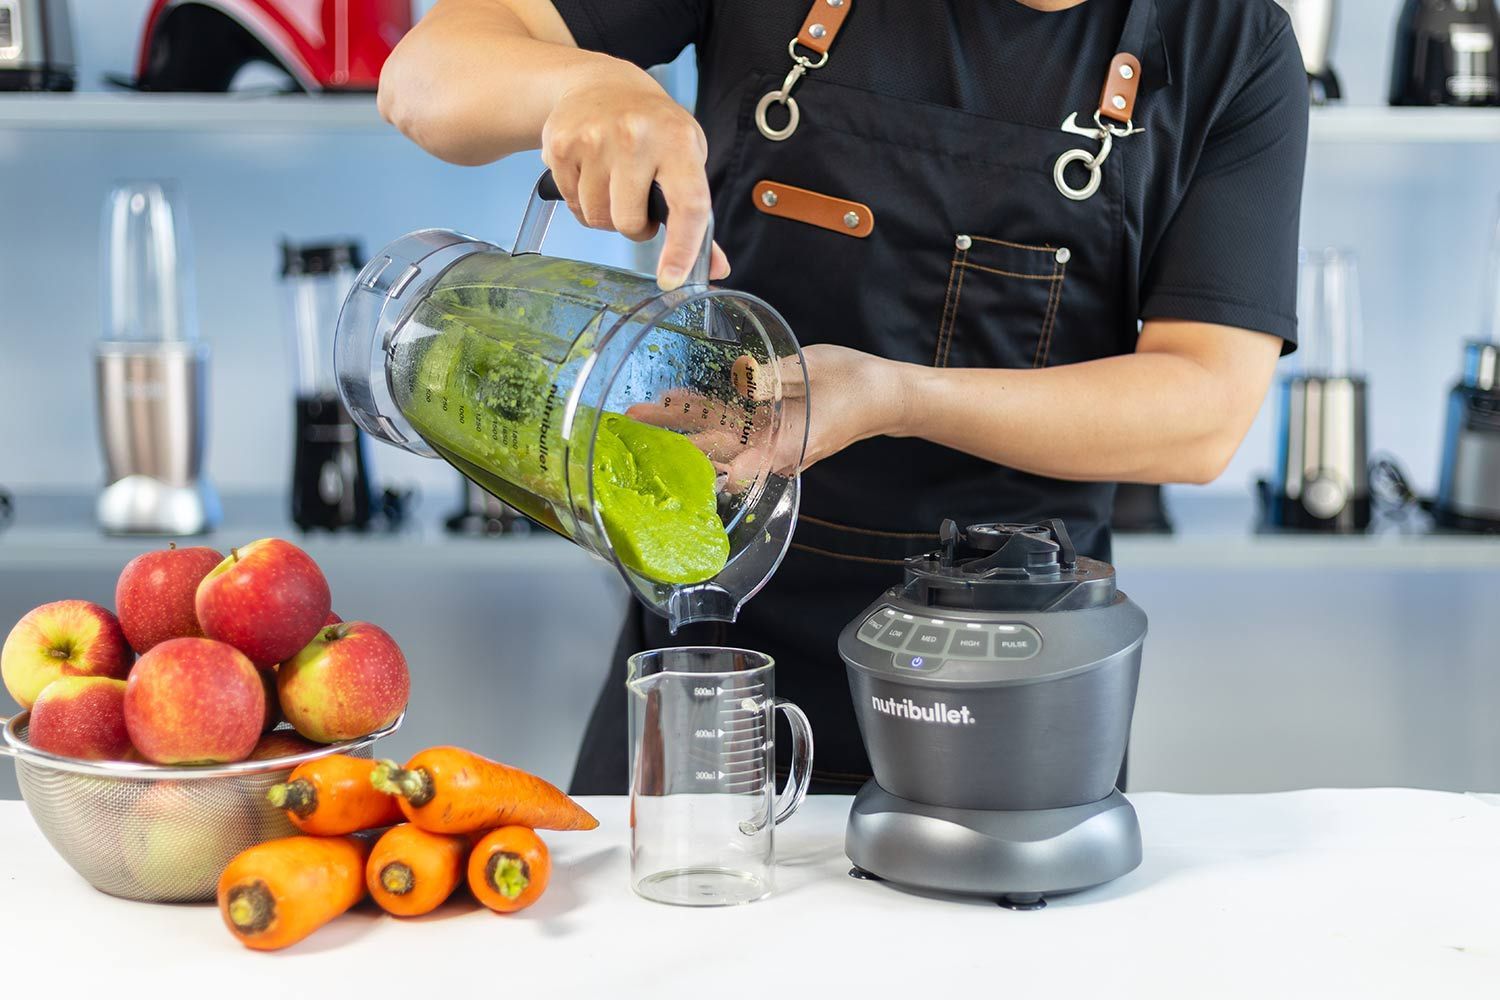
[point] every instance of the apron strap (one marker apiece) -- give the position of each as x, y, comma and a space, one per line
823, 23
1123, 84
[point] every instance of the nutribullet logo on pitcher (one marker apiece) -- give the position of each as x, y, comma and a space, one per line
938, 711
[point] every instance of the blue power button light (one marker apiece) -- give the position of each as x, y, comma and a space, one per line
917, 661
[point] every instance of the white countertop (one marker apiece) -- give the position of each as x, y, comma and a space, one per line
1321, 893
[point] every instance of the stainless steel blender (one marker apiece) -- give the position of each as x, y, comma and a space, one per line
1321, 481
151, 370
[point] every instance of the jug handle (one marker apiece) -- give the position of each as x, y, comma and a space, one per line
544, 199
799, 776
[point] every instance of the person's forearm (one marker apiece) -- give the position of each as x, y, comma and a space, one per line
1153, 418
441, 87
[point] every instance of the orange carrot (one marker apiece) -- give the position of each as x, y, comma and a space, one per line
331, 796
509, 869
277, 893
448, 790
411, 871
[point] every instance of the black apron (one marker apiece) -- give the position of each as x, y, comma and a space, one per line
975, 259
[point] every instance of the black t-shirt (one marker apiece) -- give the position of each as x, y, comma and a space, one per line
1213, 197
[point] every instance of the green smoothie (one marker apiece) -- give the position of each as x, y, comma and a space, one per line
487, 391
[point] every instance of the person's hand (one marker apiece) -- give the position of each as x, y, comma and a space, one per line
612, 134
852, 396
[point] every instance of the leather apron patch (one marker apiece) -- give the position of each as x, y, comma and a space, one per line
824, 211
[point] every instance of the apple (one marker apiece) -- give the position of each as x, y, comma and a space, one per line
281, 743
350, 680
332, 619
267, 599
81, 717
155, 592
62, 639
273, 702
194, 701
171, 843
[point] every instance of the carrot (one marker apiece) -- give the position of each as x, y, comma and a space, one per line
448, 790
509, 869
411, 871
331, 796
277, 893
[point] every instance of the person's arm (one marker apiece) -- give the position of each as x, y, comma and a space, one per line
475, 80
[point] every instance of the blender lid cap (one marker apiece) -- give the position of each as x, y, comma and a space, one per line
298, 259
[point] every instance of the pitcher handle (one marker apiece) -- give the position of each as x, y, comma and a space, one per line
800, 775
544, 199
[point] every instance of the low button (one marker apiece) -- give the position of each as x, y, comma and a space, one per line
969, 644
917, 661
928, 639
894, 635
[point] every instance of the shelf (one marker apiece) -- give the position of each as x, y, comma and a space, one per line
1377, 124
128, 112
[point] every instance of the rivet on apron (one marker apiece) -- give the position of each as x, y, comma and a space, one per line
817, 31
1064, 255
768, 198
835, 3
963, 243
851, 219
1119, 102
1128, 72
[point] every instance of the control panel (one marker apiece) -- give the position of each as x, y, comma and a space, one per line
919, 642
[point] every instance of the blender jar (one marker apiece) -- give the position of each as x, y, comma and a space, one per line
330, 485
661, 431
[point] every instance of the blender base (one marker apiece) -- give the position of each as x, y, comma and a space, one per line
141, 505
1017, 858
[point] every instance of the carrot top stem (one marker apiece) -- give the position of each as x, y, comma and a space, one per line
300, 796
251, 907
397, 878
414, 786
508, 873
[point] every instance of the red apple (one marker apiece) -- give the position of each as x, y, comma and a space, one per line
155, 592
194, 701
62, 639
281, 743
349, 681
268, 599
332, 619
273, 702
81, 717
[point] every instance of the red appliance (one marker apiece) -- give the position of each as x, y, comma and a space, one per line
200, 45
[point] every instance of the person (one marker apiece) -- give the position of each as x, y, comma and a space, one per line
1033, 248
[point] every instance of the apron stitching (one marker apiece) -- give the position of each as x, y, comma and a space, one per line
1013, 274
840, 555
958, 295
1054, 299
1013, 246
947, 303
867, 531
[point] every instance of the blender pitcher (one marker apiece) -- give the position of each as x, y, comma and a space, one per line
703, 804
661, 431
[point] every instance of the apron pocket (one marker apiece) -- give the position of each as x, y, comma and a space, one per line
1000, 309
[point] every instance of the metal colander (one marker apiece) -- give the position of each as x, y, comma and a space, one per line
158, 834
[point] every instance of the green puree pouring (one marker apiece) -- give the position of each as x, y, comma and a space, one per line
489, 406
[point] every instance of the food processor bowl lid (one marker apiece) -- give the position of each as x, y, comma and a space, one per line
382, 297
1008, 567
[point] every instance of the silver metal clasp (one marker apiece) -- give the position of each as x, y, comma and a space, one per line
800, 66
1103, 133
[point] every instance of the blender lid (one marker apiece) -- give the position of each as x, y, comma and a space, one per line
1008, 567
320, 258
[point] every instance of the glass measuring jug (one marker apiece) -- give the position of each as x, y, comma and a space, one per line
703, 803
661, 431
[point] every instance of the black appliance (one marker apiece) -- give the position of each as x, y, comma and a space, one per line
1447, 53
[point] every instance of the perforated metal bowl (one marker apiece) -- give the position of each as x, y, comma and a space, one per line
158, 834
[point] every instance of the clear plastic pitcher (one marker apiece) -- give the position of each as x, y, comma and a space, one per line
661, 431
703, 803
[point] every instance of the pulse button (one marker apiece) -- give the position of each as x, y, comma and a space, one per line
1016, 642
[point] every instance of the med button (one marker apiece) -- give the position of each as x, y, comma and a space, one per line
917, 661
969, 644
1016, 642
928, 639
